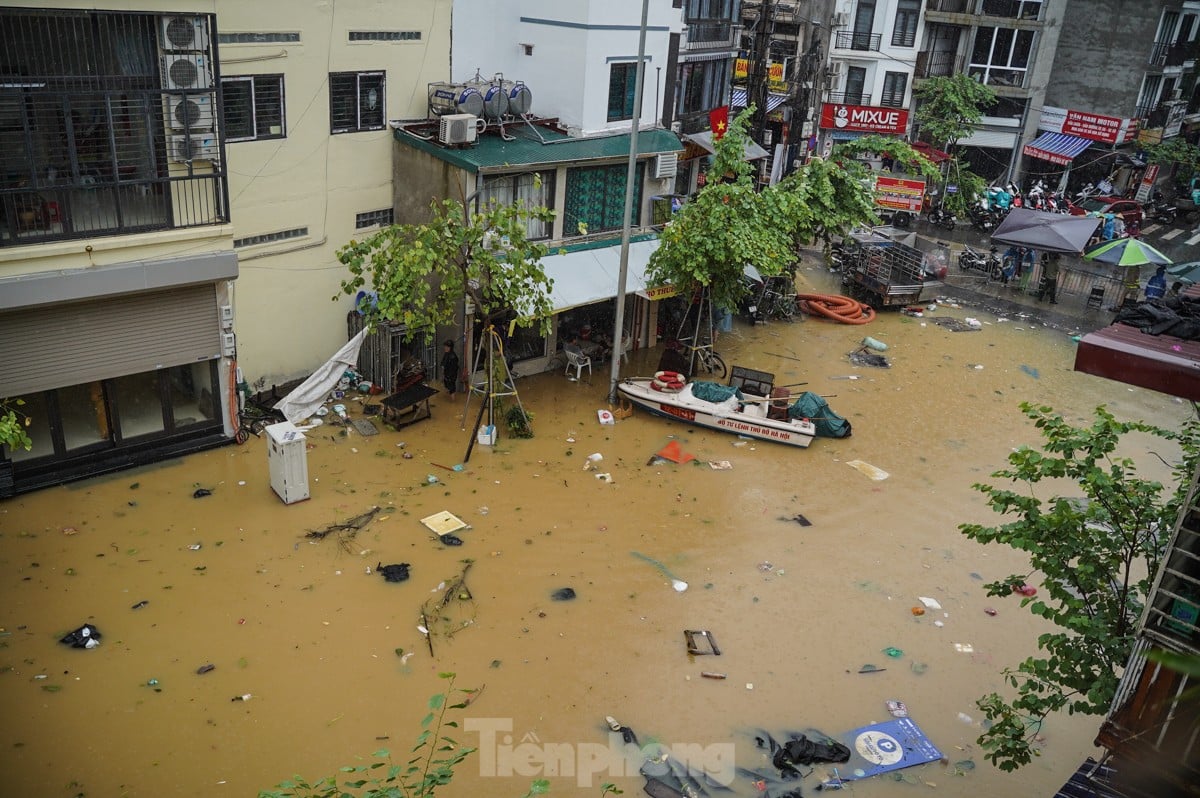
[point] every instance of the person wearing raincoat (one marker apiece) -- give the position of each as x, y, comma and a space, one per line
1110, 226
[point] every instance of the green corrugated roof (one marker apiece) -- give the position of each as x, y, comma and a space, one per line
491, 151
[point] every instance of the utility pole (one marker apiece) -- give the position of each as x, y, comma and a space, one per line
758, 89
807, 69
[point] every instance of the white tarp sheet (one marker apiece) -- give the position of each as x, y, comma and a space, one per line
302, 402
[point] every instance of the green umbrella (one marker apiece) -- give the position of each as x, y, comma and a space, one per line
1126, 252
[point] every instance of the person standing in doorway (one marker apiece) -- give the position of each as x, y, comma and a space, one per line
1049, 277
450, 367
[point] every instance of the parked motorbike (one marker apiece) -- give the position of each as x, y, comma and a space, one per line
1162, 211
982, 219
940, 217
990, 264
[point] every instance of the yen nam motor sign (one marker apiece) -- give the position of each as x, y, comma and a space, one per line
864, 118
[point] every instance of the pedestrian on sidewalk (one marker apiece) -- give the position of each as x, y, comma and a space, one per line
1049, 277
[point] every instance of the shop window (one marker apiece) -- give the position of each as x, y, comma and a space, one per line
194, 395
83, 415
138, 404
596, 199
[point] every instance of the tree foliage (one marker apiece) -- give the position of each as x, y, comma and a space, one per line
422, 272
951, 107
13, 424
1175, 151
1094, 556
730, 223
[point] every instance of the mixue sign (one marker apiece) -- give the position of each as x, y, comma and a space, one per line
864, 118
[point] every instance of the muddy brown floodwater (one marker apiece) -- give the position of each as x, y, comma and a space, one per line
311, 632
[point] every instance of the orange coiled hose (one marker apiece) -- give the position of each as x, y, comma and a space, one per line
837, 308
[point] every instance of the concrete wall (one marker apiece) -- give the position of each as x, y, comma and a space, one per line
419, 179
574, 43
1102, 53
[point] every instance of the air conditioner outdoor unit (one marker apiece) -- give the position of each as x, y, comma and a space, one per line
666, 164
190, 111
184, 33
836, 68
186, 71
458, 128
841, 19
196, 147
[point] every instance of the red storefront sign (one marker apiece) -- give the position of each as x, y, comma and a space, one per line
1096, 127
899, 194
864, 118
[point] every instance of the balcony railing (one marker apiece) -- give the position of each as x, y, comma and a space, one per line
1169, 55
1155, 114
931, 64
850, 40
709, 32
1009, 9
850, 97
951, 6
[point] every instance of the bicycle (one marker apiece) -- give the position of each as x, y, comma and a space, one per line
703, 357
253, 419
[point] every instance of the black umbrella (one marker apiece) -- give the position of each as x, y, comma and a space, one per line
1048, 232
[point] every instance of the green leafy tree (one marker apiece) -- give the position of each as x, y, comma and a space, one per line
13, 424
422, 272
1176, 151
1094, 556
726, 226
951, 108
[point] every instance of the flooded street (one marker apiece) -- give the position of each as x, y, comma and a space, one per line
310, 631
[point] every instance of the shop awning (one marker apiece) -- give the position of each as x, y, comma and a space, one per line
590, 275
738, 99
1057, 148
931, 152
704, 141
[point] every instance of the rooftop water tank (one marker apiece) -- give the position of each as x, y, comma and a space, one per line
520, 98
455, 98
495, 98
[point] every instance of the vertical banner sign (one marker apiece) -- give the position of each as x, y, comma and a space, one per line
1147, 183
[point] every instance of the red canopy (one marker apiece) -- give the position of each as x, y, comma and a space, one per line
930, 152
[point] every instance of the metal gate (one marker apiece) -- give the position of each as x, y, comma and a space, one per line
387, 348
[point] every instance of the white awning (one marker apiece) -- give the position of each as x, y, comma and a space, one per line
590, 275
998, 139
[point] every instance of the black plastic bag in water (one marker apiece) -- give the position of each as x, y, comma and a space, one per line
86, 636
396, 572
803, 751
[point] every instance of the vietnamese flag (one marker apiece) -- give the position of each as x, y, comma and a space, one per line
718, 120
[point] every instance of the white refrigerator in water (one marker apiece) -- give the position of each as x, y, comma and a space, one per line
287, 459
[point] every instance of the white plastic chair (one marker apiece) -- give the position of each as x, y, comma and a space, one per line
579, 361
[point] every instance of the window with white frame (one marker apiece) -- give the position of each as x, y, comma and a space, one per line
1001, 56
894, 86
356, 101
253, 107
527, 189
622, 82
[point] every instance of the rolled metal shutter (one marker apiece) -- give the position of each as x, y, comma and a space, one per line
67, 344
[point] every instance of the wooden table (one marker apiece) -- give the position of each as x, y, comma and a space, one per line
413, 400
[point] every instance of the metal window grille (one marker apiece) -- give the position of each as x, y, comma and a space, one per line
253, 107
356, 101
380, 218
269, 238
107, 125
385, 36
257, 37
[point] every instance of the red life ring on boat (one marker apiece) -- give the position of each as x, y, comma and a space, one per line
667, 381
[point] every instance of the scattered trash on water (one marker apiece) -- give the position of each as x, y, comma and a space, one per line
396, 572
1031, 371
200, 493
974, 324
563, 594
720, 465
918, 611
1025, 590
873, 343
139, 605
674, 452
242, 697
207, 668
871, 668
676, 583
693, 647
765, 566
877, 474
845, 377
606, 477
86, 636
990, 611
929, 603
964, 648
938, 624
450, 540
431, 479
801, 520
893, 652
605, 417
919, 668
897, 709
712, 675
194, 547
592, 459
965, 718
